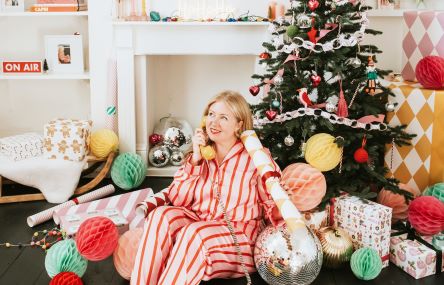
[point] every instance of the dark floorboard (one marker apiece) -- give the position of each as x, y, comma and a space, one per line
26, 266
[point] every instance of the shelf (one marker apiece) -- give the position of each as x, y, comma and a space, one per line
44, 76
167, 171
386, 12
43, 14
191, 23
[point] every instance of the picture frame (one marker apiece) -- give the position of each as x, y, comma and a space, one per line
64, 53
8, 6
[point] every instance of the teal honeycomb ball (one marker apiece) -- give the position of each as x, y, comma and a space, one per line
366, 263
128, 170
436, 191
64, 256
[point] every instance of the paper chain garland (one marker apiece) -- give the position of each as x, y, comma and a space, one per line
370, 123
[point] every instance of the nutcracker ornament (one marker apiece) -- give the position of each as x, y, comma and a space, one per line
372, 77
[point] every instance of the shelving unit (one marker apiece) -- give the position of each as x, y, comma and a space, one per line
44, 76
44, 14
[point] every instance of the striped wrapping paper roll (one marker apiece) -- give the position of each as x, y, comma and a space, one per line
111, 100
264, 165
159, 199
125, 203
48, 214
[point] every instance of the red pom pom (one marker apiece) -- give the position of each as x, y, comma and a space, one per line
97, 238
361, 155
155, 139
430, 72
426, 215
66, 278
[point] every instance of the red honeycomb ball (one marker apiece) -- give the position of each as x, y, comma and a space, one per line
66, 278
430, 72
426, 215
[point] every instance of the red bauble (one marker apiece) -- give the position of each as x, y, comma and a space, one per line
270, 114
97, 238
155, 139
264, 55
361, 155
254, 90
430, 72
313, 5
426, 215
315, 80
66, 278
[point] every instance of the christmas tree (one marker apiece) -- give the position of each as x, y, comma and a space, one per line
322, 103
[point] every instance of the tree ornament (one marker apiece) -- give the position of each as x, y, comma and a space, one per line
177, 158
97, 238
342, 104
337, 246
275, 103
64, 256
322, 152
302, 148
426, 215
366, 263
361, 155
292, 31
312, 34
155, 139
315, 79
271, 114
128, 170
430, 72
303, 97
289, 140
265, 55
66, 278
330, 107
254, 90
159, 156
303, 21
313, 5
397, 202
278, 80
436, 191
103, 142
354, 62
390, 107
125, 254
372, 77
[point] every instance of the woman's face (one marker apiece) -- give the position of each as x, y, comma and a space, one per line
221, 124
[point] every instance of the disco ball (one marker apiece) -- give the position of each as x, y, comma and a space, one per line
176, 133
282, 258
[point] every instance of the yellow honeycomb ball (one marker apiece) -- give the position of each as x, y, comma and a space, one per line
322, 152
103, 142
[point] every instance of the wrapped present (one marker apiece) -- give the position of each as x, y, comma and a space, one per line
367, 223
71, 223
422, 110
22, 146
125, 203
316, 218
415, 255
423, 36
67, 139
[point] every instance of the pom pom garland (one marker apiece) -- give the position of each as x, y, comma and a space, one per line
64, 256
128, 170
366, 263
430, 72
66, 278
426, 215
97, 238
103, 142
125, 253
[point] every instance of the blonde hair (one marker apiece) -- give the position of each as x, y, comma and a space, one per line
237, 105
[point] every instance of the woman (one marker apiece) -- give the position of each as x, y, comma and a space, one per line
190, 240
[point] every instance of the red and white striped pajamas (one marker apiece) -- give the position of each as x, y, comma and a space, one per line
190, 241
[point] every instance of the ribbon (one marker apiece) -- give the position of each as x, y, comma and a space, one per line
372, 118
269, 174
412, 235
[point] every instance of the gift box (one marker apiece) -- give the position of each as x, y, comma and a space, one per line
316, 218
71, 223
416, 256
368, 223
22, 146
423, 36
67, 139
422, 110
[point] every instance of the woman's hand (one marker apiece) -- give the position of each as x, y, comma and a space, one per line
199, 139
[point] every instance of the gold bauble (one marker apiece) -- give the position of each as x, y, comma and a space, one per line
103, 142
322, 152
337, 246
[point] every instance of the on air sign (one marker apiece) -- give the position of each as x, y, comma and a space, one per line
22, 66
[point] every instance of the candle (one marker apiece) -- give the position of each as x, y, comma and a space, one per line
272, 10
280, 11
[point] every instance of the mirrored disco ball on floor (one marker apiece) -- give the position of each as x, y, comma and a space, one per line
284, 259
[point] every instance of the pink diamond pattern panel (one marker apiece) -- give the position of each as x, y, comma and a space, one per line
409, 44
427, 18
425, 45
410, 17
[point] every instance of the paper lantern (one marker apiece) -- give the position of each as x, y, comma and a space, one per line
426, 215
103, 142
97, 238
125, 253
366, 263
64, 256
322, 152
436, 191
128, 170
430, 72
66, 278
305, 184
397, 202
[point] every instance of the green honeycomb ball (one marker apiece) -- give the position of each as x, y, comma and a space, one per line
64, 256
292, 31
436, 191
366, 263
128, 170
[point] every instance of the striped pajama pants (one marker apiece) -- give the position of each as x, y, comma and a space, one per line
177, 248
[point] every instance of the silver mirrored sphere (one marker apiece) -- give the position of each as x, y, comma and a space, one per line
278, 80
159, 156
289, 140
177, 158
330, 107
390, 107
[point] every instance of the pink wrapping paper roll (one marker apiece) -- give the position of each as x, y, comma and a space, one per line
264, 165
46, 215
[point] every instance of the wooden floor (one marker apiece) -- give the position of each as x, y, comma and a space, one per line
26, 266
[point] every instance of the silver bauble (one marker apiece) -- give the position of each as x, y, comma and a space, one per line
159, 156
174, 138
282, 258
278, 80
289, 140
177, 158
176, 132
390, 107
303, 21
354, 62
330, 107
275, 104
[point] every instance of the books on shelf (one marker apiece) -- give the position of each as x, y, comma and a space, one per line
58, 7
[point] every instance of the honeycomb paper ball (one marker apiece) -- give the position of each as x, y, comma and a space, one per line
366, 263
64, 256
397, 202
426, 215
430, 72
128, 170
125, 253
97, 238
103, 142
66, 278
322, 152
436, 191
306, 185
